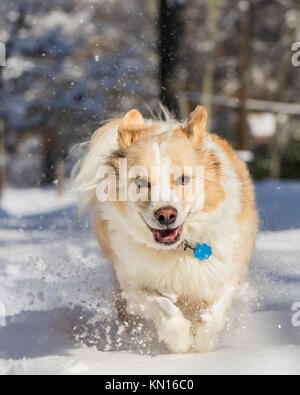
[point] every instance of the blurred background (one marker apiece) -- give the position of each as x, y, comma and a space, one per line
71, 64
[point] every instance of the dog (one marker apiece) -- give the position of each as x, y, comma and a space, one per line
152, 240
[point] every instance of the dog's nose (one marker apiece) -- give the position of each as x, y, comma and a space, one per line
166, 215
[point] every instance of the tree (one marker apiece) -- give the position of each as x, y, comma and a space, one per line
288, 37
242, 129
16, 26
170, 33
2, 157
213, 15
71, 65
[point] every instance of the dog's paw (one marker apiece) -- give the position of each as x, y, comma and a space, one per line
206, 338
167, 307
170, 295
173, 328
181, 340
208, 331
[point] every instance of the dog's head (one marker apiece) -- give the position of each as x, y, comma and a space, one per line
164, 175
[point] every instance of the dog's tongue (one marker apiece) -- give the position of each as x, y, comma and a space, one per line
168, 235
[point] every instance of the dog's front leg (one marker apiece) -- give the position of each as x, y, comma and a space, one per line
172, 327
211, 324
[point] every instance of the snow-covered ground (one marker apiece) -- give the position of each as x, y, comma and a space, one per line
56, 290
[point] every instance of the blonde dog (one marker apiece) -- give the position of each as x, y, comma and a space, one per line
154, 234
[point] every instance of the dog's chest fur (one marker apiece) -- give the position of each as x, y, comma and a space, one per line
178, 272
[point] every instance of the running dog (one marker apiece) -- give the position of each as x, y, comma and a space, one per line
181, 235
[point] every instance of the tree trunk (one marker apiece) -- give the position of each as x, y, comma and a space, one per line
151, 7
275, 155
17, 26
170, 32
282, 75
2, 156
213, 14
50, 156
242, 130
60, 176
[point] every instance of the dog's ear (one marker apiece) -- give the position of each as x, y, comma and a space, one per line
131, 129
196, 127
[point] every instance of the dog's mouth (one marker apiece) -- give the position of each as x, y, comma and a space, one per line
167, 236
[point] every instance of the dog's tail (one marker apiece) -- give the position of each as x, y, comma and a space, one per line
84, 174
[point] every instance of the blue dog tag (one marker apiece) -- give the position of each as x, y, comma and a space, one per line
202, 252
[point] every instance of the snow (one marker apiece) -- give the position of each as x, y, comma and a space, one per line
262, 125
56, 290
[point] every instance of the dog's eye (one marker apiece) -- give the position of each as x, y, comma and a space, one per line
142, 183
182, 180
